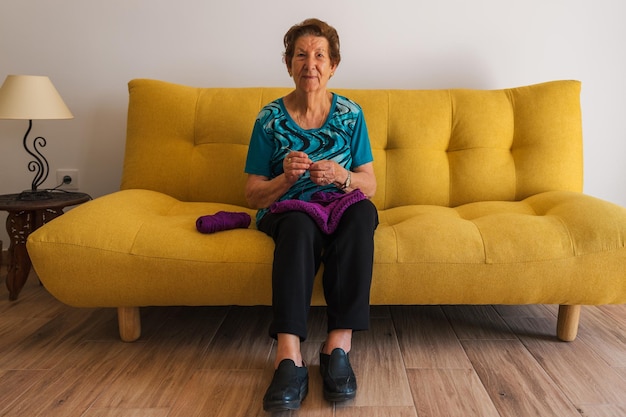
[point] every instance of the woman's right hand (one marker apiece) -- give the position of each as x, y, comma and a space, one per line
295, 165
262, 191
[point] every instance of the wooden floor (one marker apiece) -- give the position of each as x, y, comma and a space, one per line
487, 361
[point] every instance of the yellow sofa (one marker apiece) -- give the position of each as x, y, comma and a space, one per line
479, 195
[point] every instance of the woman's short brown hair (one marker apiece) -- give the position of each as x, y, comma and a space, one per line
313, 27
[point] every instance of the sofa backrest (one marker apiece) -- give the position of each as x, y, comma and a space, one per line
437, 147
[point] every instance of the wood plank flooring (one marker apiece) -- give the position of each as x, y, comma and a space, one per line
416, 361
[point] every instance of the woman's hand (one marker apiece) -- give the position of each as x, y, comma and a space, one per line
295, 164
327, 172
262, 191
330, 172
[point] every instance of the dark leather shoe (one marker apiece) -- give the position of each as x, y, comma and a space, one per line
339, 379
289, 386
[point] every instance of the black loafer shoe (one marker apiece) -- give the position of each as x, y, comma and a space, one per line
339, 379
289, 386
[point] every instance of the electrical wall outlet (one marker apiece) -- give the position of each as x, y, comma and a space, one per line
68, 178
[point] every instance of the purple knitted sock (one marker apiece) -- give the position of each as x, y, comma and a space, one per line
222, 220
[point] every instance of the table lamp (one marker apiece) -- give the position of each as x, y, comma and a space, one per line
31, 97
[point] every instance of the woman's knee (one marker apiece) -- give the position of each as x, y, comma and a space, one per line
362, 215
289, 223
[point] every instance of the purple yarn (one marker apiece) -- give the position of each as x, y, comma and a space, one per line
222, 220
326, 208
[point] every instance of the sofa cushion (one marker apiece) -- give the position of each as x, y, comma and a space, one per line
494, 251
436, 147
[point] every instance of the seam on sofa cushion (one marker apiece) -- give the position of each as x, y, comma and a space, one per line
511, 98
482, 240
451, 127
386, 149
569, 235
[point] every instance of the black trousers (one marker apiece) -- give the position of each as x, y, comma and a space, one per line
347, 254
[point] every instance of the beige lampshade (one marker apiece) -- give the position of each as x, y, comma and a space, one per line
31, 97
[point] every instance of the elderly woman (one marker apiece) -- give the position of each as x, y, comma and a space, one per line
311, 177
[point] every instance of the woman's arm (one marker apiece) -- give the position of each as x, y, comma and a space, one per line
262, 191
362, 177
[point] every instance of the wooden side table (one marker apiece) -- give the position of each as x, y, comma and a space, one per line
26, 216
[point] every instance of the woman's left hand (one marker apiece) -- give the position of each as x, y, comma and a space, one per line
324, 172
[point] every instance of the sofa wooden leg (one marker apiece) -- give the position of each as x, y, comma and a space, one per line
129, 321
567, 322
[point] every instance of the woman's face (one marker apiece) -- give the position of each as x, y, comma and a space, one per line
311, 67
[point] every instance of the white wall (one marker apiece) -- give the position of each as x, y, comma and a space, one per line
91, 49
